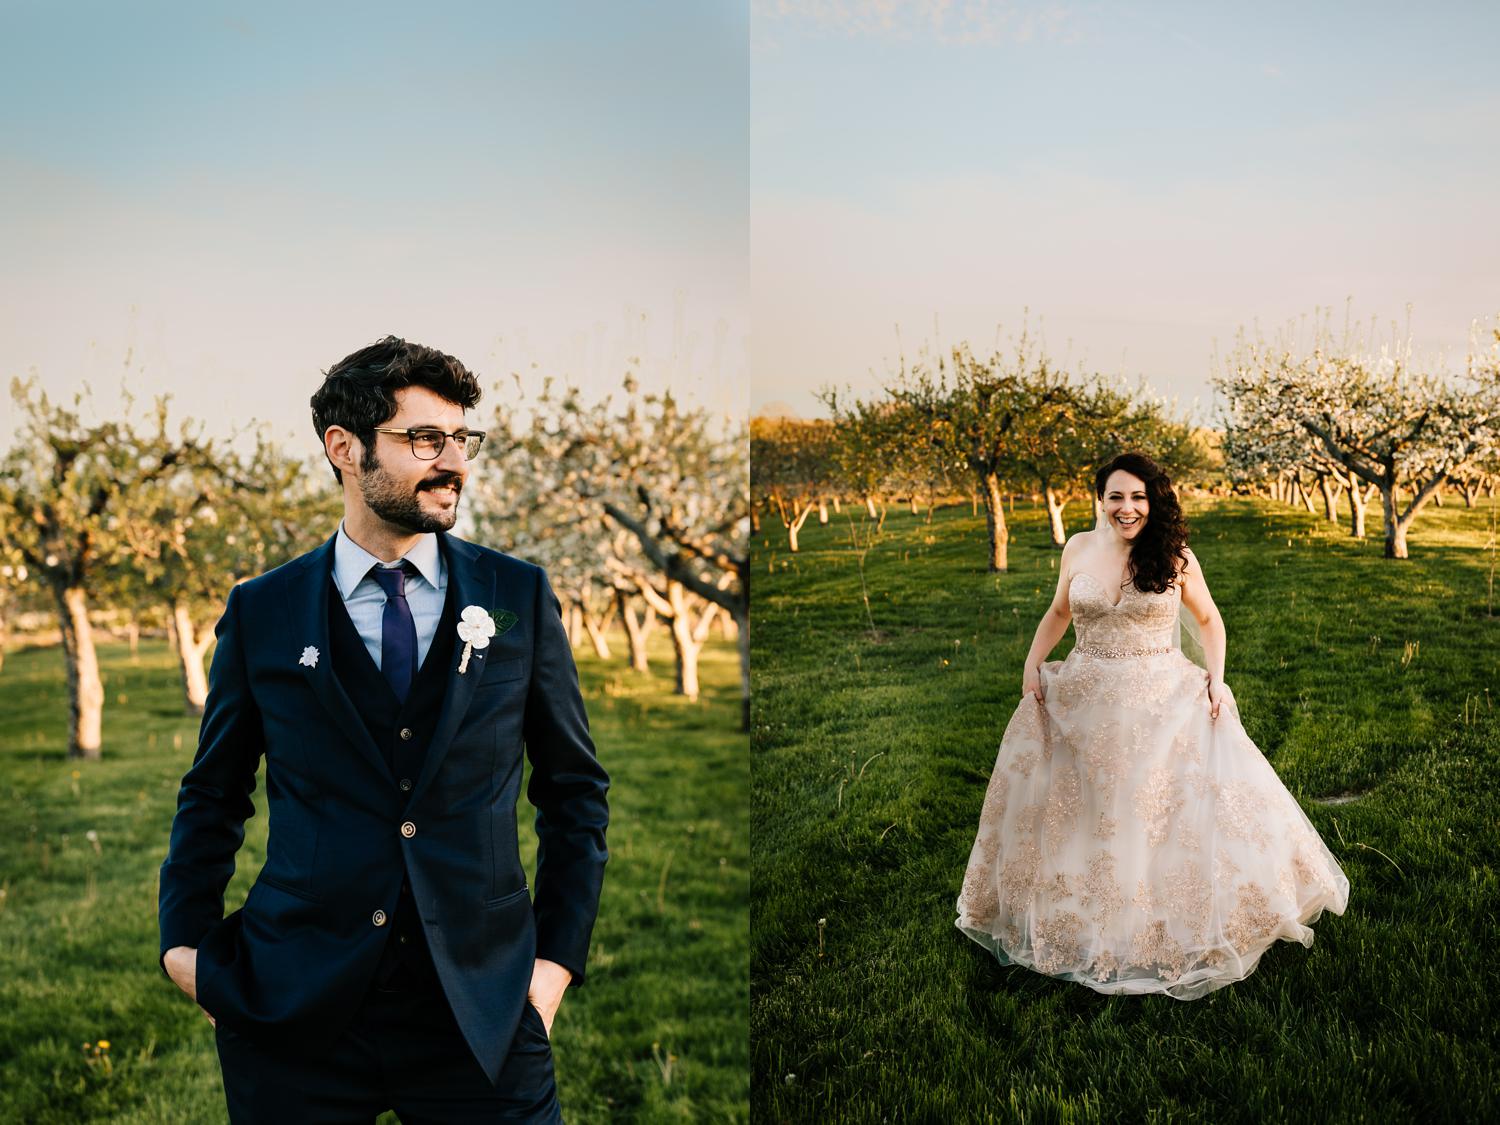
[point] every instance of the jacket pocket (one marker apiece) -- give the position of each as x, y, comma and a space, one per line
503, 671
296, 892
503, 899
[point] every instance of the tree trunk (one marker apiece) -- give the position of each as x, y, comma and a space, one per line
1330, 501
754, 519
1437, 497
1055, 517
911, 502
571, 618
190, 651
822, 510
838, 508
795, 525
1395, 528
994, 516
85, 688
595, 627
636, 630
1358, 500
684, 645
1304, 495
870, 504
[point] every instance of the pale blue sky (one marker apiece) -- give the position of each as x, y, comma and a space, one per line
238, 196
1144, 177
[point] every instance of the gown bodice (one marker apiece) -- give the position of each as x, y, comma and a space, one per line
1140, 620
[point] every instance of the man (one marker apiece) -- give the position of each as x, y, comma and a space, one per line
388, 955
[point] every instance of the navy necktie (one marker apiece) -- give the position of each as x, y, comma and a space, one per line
398, 630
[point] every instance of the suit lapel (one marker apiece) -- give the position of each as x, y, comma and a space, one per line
469, 587
309, 604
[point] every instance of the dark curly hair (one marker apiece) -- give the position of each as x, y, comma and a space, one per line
359, 391
1159, 549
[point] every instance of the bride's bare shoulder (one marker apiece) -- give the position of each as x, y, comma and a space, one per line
1079, 541
1075, 548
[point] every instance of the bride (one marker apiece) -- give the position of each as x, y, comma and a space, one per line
1133, 838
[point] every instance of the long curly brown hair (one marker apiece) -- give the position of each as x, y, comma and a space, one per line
1158, 551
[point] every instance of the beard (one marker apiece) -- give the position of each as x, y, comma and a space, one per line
399, 505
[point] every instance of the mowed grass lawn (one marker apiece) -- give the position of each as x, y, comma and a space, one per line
1367, 681
658, 1032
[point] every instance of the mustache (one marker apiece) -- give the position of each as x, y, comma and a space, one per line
438, 482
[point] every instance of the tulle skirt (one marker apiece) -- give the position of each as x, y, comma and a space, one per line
1131, 843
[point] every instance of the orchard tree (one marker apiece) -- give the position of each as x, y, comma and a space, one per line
1390, 425
65, 489
972, 412
193, 534
792, 468
679, 482
674, 488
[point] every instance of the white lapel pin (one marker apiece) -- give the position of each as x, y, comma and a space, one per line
309, 657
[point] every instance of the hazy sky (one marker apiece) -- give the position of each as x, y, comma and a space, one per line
236, 198
1143, 177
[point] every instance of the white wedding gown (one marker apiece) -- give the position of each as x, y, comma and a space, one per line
1128, 841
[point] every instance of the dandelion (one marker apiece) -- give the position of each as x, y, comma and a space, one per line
104, 1044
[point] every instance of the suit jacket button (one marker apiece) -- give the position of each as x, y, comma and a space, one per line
406, 734
405, 784
378, 918
408, 829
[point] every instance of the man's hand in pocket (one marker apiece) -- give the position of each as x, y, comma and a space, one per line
181, 963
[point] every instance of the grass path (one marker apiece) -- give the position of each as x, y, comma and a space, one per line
1358, 677
657, 1034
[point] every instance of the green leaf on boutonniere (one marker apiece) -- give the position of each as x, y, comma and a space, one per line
503, 619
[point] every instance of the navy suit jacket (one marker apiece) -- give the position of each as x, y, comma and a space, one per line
295, 960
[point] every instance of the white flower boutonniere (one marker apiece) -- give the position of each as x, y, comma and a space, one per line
309, 657
475, 628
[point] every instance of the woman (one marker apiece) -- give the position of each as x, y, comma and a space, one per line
1133, 838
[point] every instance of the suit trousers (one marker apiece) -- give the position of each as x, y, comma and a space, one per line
405, 1052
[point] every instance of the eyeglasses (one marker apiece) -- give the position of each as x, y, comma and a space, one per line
427, 445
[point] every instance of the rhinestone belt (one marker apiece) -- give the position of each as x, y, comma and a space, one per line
1090, 650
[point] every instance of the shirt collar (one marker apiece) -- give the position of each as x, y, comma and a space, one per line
352, 563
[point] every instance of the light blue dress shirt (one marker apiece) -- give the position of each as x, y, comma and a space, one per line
365, 599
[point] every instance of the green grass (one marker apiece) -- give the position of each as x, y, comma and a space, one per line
870, 755
658, 1033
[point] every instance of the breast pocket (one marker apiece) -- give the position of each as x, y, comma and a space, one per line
505, 670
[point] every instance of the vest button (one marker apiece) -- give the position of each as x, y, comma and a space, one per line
408, 829
405, 784
406, 734
378, 918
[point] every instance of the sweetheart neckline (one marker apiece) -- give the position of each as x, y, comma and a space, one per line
1129, 587
1112, 605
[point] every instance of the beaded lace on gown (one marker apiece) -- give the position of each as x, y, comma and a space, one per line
1128, 841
